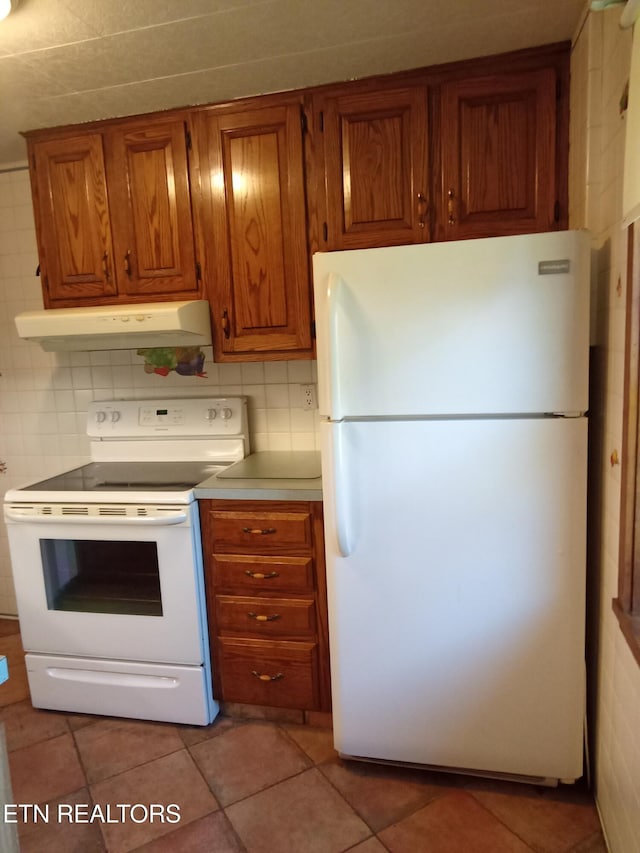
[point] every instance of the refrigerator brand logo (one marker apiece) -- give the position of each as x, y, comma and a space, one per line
553, 267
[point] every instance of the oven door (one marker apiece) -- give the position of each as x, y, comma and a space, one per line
127, 588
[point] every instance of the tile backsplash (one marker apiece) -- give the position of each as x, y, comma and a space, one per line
44, 396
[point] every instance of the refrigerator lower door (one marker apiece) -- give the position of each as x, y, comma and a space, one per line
456, 581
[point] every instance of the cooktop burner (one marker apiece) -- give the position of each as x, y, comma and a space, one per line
121, 476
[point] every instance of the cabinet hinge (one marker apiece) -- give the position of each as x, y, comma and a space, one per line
325, 231
556, 211
38, 270
321, 120
198, 271
558, 89
313, 330
187, 134
303, 121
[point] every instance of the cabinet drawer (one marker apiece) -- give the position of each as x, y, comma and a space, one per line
269, 617
268, 574
280, 674
260, 531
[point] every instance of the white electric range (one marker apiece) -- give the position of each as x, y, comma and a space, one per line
107, 562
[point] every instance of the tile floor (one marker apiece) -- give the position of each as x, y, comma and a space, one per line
255, 786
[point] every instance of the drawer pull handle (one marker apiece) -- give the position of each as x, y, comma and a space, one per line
260, 617
261, 576
262, 676
259, 531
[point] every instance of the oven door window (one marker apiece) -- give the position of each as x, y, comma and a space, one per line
93, 576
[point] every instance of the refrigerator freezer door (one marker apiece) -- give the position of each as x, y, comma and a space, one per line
498, 325
457, 618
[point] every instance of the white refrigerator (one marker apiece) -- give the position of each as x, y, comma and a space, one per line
453, 386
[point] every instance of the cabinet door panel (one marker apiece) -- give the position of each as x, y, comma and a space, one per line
498, 155
256, 224
376, 165
153, 233
72, 216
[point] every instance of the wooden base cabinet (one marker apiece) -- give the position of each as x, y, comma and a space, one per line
266, 602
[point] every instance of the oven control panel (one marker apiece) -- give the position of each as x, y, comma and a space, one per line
200, 417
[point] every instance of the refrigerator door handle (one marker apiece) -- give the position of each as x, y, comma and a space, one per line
340, 493
335, 288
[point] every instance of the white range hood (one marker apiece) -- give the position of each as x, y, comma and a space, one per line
149, 324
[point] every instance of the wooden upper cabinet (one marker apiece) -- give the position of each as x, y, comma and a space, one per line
72, 217
150, 196
376, 167
498, 138
113, 214
254, 231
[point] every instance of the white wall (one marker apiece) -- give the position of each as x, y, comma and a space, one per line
44, 396
599, 71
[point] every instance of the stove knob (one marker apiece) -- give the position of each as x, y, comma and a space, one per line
115, 417
101, 417
226, 414
211, 414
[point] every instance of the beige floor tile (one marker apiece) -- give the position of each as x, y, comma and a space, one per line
172, 779
60, 834
112, 746
212, 833
317, 743
79, 721
247, 759
551, 820
45, 771
371, 845
454, 823
594, 844
25, 725
196, 734
304, 814
384, 795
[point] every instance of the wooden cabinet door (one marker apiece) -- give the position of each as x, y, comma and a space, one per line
498, 142
255, 227
72, 217
376, 162
151, 202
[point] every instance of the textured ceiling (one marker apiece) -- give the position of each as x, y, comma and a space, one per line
66, 61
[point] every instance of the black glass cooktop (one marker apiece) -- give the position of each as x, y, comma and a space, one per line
133, 476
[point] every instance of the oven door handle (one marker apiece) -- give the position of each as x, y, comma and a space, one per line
128, 521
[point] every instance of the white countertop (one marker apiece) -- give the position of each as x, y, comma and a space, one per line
267, 475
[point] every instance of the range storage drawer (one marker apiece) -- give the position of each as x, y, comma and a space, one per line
261, 532
280, 674
269, 574
267, 616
